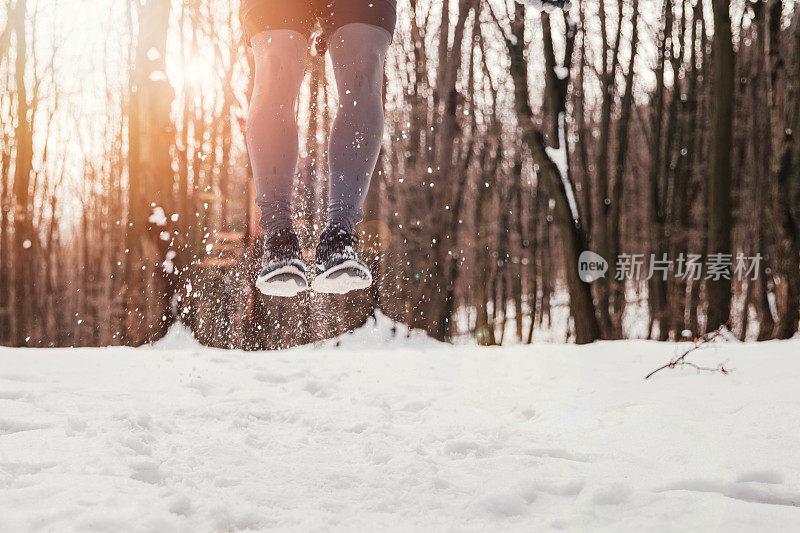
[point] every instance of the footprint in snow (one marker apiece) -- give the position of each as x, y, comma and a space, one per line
320, 390
136, 444
743, 491
357, 428
269, 377
557, 453
74, 425
225, 520
771, 477
457, 447
203, 387
613, 494
16, 396
181, 506
147, 472
416, 406
9, 427
135, 421
24, 469
503, 504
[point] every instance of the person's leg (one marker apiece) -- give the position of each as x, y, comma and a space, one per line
280, 57
357, 51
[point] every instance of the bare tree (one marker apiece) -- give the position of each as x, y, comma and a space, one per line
719, 180
149, 287
552, 161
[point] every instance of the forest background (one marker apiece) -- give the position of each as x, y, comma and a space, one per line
514, 141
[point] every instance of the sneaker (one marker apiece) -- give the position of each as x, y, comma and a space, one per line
338, 268
284, 273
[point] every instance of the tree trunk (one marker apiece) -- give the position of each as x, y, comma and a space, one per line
786, 250
5, 241
440, 305
484, 327
555, 176
23, 165
718, 292
617, 301
149, 288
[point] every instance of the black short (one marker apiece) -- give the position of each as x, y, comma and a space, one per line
302, 15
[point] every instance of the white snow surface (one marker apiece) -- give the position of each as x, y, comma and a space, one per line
379, 430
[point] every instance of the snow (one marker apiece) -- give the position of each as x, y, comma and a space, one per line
559, 157
386, 429
157, 75
544, 5
158, 217
167, 264
153, 54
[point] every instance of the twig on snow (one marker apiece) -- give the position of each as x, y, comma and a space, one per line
698, 344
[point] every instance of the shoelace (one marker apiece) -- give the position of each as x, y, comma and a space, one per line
336, 240
283, 245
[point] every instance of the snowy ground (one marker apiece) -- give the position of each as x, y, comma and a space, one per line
399, 434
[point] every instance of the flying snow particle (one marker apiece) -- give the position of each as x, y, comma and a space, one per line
159, 218
168, 265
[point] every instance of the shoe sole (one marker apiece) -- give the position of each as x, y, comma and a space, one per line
286, 281
342, 278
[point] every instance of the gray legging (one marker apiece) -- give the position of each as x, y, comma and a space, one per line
357, 51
